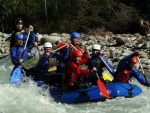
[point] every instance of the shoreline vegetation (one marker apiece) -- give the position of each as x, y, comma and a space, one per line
49, 16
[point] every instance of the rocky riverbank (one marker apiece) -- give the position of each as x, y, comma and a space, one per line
113, 46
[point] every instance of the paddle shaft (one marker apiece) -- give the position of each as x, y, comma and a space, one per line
106, 64
142, 69
58, 48
25, 44
92, 62
73, 47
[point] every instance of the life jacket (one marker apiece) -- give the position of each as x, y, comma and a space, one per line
47, 64
52, 64
123, 76
97, 63
67, 79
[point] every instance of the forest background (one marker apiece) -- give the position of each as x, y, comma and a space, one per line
47, 16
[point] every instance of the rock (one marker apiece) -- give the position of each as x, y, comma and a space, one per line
65, 35
83, 43
143, 54
55, 34
51, 39
147, 61
148, 38
39, 36
125, 54
120, 42
1, 34
147, 67
139, 45
133, 38
137, 35
112, 49
92, 38
2, 50
90, 42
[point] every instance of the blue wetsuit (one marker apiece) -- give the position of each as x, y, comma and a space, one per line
16, 52
124, 65
44, 61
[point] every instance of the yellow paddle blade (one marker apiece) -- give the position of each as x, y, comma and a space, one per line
107, 77
54, 68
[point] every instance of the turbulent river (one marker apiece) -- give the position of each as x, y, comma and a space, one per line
28, 98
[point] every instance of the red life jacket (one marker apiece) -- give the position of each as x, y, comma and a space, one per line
71, 74
124, 76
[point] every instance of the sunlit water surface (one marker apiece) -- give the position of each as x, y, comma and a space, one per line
28, 98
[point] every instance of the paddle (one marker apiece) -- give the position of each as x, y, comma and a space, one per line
142, 70
73, 46
30, 63
99, 82
16, 74
110, 69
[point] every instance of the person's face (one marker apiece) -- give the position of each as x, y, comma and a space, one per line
48, 51
19, 42
78, 59
35, 44
75, 40
132, 65
94, 51
19, 26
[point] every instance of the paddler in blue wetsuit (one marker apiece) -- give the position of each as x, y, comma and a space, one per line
16, 52
99, 62
126, 69
19, 29
48, 61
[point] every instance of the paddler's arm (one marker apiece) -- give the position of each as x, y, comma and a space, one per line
14, 57
139, 77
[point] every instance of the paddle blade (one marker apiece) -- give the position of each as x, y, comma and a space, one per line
15, 76
107, 77
30, 63
102, 88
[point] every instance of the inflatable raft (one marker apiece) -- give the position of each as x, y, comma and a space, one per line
93, 94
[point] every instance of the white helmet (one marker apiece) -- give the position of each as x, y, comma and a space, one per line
47, 44
96, 46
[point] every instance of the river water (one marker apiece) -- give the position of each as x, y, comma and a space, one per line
28, 98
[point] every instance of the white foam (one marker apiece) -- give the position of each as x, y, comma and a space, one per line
28, 98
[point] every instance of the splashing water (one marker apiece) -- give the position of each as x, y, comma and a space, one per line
28, 98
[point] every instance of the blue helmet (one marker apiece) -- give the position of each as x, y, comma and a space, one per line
75, 35
19, 36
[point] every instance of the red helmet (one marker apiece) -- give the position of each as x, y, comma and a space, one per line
76, 53
134, 59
